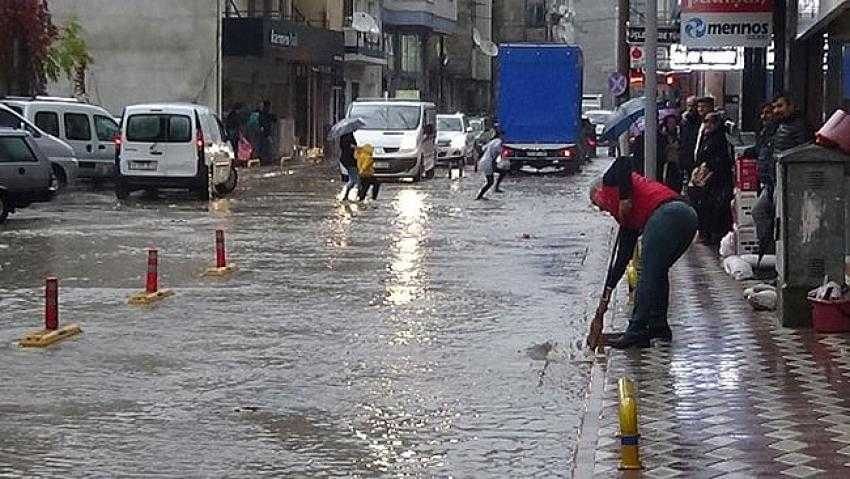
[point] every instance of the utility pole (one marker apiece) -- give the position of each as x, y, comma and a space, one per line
623, 60
651, 91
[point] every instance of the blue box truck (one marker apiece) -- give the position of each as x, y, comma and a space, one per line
538, 105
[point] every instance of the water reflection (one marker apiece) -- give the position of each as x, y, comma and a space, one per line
405, 283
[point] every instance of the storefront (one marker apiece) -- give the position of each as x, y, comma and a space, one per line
298, 68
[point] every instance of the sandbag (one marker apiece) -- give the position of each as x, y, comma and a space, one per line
758, 289
738, 268
768, 261
727, 245
763, 300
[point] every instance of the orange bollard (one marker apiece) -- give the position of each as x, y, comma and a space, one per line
221, 267
51, 333
220, 252
152, 292
152, 283
51, 304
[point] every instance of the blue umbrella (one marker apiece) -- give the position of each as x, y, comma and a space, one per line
623, 118
345, 126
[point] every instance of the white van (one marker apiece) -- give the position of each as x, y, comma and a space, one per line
402, 133
173, 145
89, 129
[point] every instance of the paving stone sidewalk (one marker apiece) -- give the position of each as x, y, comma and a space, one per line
735, 394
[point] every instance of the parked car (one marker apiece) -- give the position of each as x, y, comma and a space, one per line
89, 129
403, 133
588, 136
173, 145
598, 118
26, 175
454, 139
60, 154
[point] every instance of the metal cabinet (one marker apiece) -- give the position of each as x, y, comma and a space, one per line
810, 226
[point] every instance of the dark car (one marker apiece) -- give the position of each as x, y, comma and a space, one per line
26, 175
588, 139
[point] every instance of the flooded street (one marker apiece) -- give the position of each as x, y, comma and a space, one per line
403, 337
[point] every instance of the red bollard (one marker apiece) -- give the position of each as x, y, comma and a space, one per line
151, 285
51, 304
220, 252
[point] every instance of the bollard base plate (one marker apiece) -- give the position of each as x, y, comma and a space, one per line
218, 272
44, 338
148, 298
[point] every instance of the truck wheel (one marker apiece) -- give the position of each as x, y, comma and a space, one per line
430, 173
4, 209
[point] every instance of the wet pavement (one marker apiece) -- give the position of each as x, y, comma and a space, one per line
735, 395
403, 337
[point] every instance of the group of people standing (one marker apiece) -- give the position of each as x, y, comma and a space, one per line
251, 130
695, 157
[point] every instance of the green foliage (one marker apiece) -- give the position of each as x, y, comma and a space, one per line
68, 55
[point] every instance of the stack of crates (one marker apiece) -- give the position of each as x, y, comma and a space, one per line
746, 193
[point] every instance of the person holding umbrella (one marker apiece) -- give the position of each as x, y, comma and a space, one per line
666, 223
344, 130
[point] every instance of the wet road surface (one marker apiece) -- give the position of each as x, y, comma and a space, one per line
402, 338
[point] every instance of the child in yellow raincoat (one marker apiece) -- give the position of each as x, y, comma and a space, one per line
366, 170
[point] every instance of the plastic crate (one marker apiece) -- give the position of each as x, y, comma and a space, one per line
742, 208
830, 316
746, 241
746, 174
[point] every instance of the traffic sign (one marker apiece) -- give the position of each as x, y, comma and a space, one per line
667, 35
617, 83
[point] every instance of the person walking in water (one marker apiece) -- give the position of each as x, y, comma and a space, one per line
666, 223
366, 170
347, 145
487, 164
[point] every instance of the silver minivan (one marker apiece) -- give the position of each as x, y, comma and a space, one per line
173, 145
89, 129
60, 154
403, 134
26, 175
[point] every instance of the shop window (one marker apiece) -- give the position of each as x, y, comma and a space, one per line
536, 14
411, 54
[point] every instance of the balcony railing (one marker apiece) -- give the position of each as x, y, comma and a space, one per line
366, 44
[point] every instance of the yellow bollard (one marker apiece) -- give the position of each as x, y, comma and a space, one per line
633, 273
629, 436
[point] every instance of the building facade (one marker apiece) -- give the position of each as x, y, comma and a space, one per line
417, 30
590, 24
365, 51
292, 55
467, 67
158, 50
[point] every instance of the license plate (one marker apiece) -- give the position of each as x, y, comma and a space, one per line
86, 164
536, 153
382, 164
143, 165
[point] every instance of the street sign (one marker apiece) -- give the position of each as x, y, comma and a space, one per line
667, 35
617, 83
637, 55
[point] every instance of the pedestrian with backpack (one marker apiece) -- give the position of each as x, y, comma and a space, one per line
366, 170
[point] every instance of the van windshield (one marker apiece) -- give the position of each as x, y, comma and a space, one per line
449, 124
159, 128
387, 117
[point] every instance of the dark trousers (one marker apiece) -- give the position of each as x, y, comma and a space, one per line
490, 181
666, 236
367, 182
